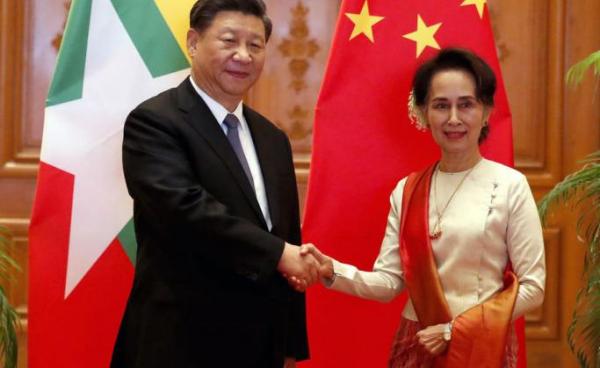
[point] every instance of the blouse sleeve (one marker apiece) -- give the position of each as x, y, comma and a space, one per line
385, 281
526, 248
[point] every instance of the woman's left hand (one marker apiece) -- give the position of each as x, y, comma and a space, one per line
432, 339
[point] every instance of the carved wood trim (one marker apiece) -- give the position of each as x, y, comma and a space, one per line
546, 171
543, 323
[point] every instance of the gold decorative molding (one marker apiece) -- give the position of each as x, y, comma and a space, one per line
298, 129
298, 47
57, 40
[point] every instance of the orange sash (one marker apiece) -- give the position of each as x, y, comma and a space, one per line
478, 334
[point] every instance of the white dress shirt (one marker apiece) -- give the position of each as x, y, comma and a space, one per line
220, 113
491, 219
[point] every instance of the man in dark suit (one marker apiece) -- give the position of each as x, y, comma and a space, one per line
216, 212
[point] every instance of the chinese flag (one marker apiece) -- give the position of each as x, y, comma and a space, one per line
364, 143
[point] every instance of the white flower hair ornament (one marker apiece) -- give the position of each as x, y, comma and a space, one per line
415, 115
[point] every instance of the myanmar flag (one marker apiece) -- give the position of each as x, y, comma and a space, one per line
115, 54
363, 144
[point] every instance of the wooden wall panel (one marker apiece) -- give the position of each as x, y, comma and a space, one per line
530, 41
525, 67
11, 41
28, 57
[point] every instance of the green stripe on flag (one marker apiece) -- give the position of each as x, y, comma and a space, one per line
127, 239
67, 83
151, 36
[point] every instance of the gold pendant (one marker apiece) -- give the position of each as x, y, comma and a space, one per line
437, 230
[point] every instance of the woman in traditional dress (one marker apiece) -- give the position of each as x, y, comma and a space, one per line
463, 236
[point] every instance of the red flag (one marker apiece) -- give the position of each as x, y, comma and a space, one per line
78, 331
364, 143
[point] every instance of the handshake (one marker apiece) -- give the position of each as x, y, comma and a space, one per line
303, 266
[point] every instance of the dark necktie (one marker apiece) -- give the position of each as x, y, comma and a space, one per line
233, 136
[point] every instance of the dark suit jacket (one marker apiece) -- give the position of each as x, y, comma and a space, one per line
206, 292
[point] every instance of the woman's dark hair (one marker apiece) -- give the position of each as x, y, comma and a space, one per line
457, 59
204, 12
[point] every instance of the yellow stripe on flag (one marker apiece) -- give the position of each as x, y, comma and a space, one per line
177, 16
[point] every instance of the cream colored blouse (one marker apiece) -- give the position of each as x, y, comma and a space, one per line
491, 219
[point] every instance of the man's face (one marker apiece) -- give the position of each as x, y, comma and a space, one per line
228, 57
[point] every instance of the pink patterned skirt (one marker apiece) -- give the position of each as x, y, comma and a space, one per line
407, 354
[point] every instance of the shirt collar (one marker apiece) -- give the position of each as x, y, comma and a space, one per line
218, 110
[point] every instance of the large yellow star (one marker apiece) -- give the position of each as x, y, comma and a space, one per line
424, 35
480, 4
363, 22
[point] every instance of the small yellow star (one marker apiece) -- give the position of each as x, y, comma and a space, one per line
363, 22
480, 4
424, 35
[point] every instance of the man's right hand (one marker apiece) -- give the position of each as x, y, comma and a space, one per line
302, 269
325, 262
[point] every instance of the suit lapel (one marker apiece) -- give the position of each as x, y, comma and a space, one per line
263, 144
199, 116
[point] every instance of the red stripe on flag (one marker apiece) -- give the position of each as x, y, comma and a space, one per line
363, 144
79, 331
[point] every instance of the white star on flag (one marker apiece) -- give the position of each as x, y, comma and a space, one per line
84, 137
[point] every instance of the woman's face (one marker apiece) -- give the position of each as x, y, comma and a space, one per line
454, 114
